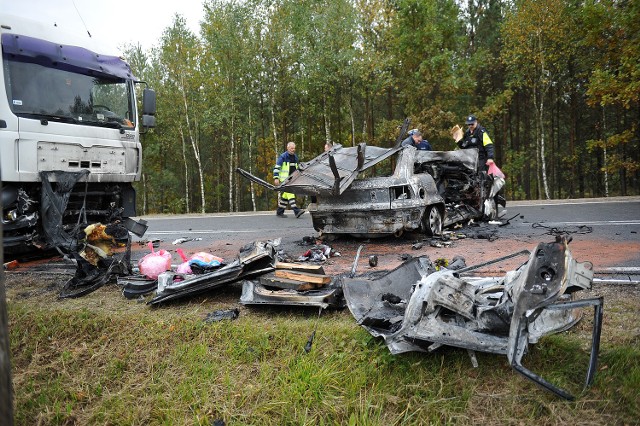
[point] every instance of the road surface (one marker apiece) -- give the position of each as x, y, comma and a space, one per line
606, 232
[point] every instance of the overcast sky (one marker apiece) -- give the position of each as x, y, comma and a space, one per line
114, 22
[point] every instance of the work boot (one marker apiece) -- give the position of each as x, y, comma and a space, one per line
281, 215
300, 213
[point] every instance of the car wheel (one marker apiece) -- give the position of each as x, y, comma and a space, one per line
432, 221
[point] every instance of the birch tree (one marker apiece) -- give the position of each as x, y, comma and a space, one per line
181, 57
536, 38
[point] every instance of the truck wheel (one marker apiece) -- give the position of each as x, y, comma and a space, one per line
432, 221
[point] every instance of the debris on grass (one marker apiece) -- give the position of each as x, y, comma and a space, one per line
422, 306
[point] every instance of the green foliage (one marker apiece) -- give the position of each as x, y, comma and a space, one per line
262, 73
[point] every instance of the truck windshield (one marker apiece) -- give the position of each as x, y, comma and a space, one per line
36, 91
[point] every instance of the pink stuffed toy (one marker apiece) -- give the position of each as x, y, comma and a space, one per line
184, 267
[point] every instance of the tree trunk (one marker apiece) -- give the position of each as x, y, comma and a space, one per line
231, 150
604, 152
573, 129
252, 189
186, 170
144, 194
194, 144
327, 119
353, 120
543, 162
540, 124
272, 104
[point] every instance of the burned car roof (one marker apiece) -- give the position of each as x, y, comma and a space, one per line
467, 158
330, 173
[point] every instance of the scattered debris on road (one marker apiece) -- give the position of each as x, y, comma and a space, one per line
293, 285
255, 259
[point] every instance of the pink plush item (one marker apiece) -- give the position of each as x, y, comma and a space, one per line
155, 263
184, 267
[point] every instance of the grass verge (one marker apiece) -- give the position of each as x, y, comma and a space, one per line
105, 360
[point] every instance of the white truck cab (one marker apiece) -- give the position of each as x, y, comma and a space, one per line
69, 133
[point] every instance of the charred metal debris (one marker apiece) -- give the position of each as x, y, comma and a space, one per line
565, 231
426, 190
67, 203
417, 308
69, 217
102, 253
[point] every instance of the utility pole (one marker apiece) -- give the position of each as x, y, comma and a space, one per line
6, 398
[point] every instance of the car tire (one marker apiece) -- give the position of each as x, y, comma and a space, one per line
432, 221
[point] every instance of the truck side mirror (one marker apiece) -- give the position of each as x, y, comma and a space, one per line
148, 108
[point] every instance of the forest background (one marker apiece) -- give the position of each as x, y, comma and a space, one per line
555, 82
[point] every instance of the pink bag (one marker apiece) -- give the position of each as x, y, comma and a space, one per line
495, 171
184, 267
155, 263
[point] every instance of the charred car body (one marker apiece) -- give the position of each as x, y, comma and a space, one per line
426, 191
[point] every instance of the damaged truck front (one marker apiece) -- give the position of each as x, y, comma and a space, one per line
69, 135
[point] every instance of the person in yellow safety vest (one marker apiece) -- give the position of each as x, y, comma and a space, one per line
286, 164
477, 137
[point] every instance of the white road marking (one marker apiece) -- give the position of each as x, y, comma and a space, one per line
595, 223
207, 231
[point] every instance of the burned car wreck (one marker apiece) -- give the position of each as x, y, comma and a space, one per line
427, 190
416, 308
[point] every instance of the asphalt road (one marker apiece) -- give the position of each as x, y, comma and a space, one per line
616, 218
606, 232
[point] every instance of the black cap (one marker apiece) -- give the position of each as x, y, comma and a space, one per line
471, 119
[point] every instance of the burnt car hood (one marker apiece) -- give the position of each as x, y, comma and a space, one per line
330, 173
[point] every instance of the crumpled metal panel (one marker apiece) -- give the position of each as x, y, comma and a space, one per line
415, 308
254, 293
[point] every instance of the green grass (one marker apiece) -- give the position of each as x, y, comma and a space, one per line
105, 360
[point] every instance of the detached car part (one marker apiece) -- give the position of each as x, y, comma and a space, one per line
416, 308
254, 259
255, 292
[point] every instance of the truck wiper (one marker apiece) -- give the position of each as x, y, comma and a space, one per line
112, 124
49, 117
